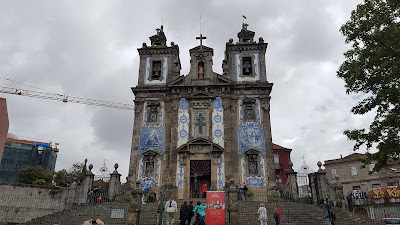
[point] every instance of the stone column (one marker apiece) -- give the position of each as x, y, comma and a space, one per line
115, 182
135, 206
232, 201
291, 187
89, 177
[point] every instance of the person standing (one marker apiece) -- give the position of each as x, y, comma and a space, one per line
349, 199
245, 191
171, 208
276, 216
262, 211
191, 213
204, 189
184, 213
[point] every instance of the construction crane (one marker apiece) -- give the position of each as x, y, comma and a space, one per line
64, 98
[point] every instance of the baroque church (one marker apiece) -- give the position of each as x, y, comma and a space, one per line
202, 127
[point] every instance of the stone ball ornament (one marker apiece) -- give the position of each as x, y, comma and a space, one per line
90, 167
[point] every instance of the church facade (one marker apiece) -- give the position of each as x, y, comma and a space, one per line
202, 127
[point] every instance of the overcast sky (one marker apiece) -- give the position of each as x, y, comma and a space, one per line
88, 49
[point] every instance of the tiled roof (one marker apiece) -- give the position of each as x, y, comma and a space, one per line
278, 147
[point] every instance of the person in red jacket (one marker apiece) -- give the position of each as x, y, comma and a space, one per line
204, 189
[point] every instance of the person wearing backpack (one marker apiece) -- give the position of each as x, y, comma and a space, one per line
171, 208
262, 211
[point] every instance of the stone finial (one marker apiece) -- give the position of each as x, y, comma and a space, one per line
85, 161
90, 167
319, 164
137, 183
230, 40
115, 167
261, 40
172, 43
144, 45
290, 164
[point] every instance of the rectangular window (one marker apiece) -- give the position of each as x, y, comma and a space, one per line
253, 166
200, 122
353, 171
333, 173
376, 186
149, 172
276, 158
391, 184
371, 166
247, 67
156, 70
153, 116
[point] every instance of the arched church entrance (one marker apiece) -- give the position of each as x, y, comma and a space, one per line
200, 174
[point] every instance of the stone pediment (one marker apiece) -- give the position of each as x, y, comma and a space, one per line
213, 148
251, 152
224, 79
177, 81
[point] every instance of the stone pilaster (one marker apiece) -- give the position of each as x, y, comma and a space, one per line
115, 182
291, 188
232, 201
136, 204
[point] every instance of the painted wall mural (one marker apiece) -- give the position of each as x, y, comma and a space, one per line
183, 123
218, 122
256, 67
180, 172
221, 173
149, 181
164, 71
251, 136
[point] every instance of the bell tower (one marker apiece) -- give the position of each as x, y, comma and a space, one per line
159, 63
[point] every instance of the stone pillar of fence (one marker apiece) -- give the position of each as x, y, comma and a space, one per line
115, 182
291, 188
232, 199
135, 205
89, 177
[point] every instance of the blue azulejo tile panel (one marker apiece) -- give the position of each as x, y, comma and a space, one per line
160, 116
180, 172
251, 136
148, 182
183, 123
221, 173
218, 122
256, 108
255, 182
152, 138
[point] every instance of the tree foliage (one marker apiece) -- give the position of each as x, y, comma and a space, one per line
65, 178
32, 174
372, 67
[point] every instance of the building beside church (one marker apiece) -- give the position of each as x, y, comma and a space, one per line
202, 127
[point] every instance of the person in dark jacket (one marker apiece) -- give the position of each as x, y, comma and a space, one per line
276, 217
184, 213
191, 213
199, 220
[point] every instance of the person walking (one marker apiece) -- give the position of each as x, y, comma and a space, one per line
199, 220
204, 190
276, 216
184, 213
326, 214
262, 211
349, 199
200, 209
191, 213
171, 208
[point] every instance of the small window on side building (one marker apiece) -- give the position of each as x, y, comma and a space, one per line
353, 171
333, 173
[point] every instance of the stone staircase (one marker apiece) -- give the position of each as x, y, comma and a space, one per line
294, 213
78, 214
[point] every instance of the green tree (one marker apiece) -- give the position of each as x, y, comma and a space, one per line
372, 67
65, 178
31, 174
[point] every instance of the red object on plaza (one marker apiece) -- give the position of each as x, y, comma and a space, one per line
215, 213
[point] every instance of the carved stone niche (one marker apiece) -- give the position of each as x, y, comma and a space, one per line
149, 162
